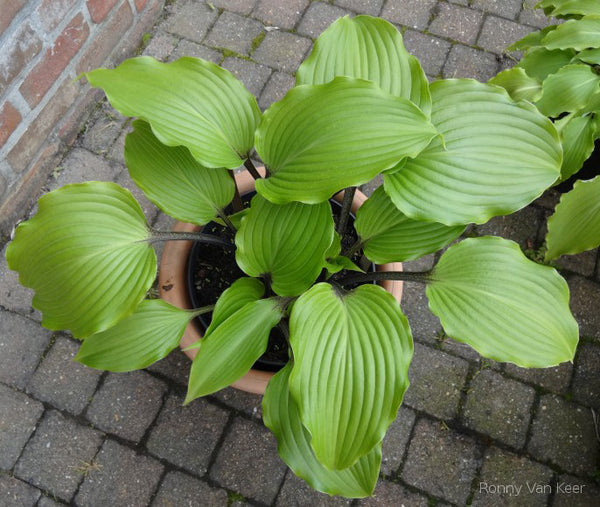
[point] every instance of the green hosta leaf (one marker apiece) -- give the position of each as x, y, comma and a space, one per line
575, 225
390, 236
498, 156
540, 62
334, 262
86, 257
518, 84
137, 341
531, 39
351, 351
578, 142
578, 34
569, 90
282, 416
233, 347
489, 295
565, 7
173, 180
367, 48
288, 242
591, 56
188, 102
320, 139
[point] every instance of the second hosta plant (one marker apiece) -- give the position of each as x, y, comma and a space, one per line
451, 153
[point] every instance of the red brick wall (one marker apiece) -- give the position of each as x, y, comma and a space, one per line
44, 46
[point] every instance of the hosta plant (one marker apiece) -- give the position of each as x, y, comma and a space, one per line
560, 73
451, 153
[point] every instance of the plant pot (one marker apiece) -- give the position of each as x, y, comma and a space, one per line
172, 284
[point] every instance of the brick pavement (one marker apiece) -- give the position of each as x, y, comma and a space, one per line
71, 435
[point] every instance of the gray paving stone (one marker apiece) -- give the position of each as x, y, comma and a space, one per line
411, 13
282, 51
505, 8
504, 468
460, 2
22, 343
461, 350
178, 488
161, 46
278, 85
119, 476
81, 165
296, 492
499, 407
586, 381
16, 493
253, 75
318, 17
370, 187
571, 491
498, 33
127, 403
521, 227
436, 380
187, 435
425, 325
583, 263
534, 17
425, 263
102, 131
56, 457
62, 382
396, 440
188, 48
371, 7
19, 415
117, 151
564, 434
150, 210
46, 501
234, 32
241, 6
556, 379
191, 20
13, 296
456, 22
280, 14
431, 51
250, 404
441, 462
248, 462
587, 315
468, 62
389, 493
176, 367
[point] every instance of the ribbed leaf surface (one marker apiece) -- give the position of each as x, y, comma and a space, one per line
367, 48
575, 225
351, 351
390, 236
173, 180
498, 156
578, 34
282, 416
189, 102
286, 241
577, 136
137, 341
541, 62
85, 257
510, 309
518, 84
321, 138
578, 7
531, 40
591, 56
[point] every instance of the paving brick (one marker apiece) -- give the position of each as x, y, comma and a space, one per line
468, 62
14, 492
389, 493
318, 17
21, 49
13, 296
22, 343
396, 440
241, 6
586, 381
81, 165
284, 15
253, 75
150, 210
46, 501
282, 51
117, 152
436, 380
456, 22
99, 9
119, 476
276, 88
127, 403
502, 467
53, 458
191, 20
425, 325
556, 379
564, 434
498, 33
462, 350
9, 121
296, 491
431, 51
412, 13
441, 462
583, 263
102, 130
248, 462
250, 404
534, 17
521, 226
505, 8
176, 367
587, 315
187, 48
161, 46
371, 7
234, 32
19, 415
573, 492
62, 382
178, 488
187, 435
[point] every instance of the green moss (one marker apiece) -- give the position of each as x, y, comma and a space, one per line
256, 41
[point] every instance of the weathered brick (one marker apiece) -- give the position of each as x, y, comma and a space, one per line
283, 51
53, 458
456, 22
371, 7
14, 492
9, 9
80, 166
52, 12
318, 17
234, 32
586, 381
126, 404
248, 462
412, 13
278, 85
505, 8
573, 492
396, 441
187, 490
498, 33
389, 493
554, 379
431, 51
296, 491
9, 121
192, 21
253, 75
188, 48
17, 53
119, 476
55, 60
240, 6
140, 4
588, 317
187, 435
280, 14
99, 9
